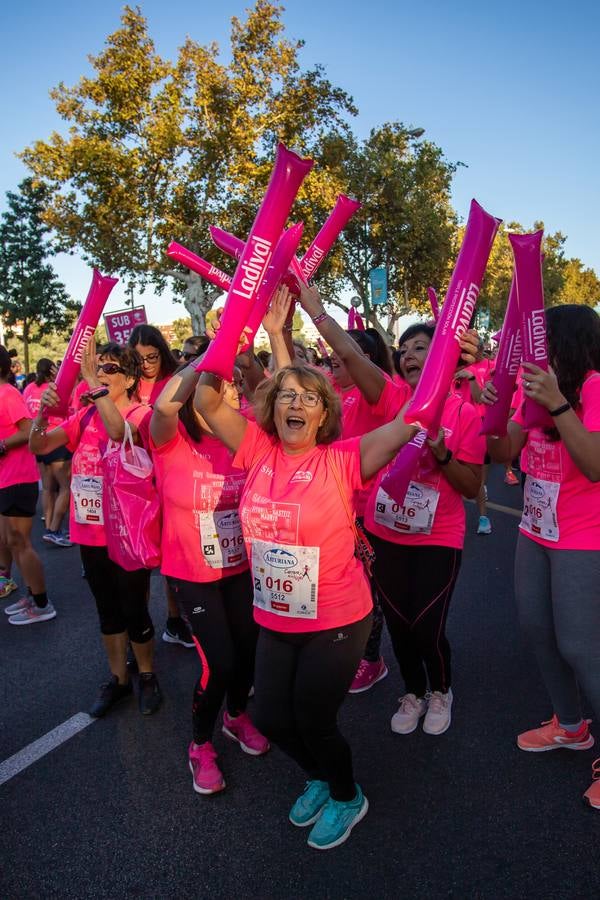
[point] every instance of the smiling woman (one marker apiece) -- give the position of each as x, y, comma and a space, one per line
312, 598
120, 596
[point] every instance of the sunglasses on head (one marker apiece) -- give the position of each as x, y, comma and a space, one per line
110, 369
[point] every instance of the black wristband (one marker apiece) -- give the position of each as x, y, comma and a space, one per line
446, 459
559, 410
97, 393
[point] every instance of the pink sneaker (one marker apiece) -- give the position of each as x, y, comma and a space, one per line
207, 777
592, 795
368, 674
242, 730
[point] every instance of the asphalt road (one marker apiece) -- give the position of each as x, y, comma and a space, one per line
111, 812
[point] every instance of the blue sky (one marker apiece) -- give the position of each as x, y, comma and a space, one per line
511, 90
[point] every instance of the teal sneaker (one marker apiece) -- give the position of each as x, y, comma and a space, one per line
337, 820
308, 806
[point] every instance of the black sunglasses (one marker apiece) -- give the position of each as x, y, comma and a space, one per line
188, 356
110, 369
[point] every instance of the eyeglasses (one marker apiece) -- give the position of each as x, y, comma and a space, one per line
110, 369
188, 356
307, 398
151, 358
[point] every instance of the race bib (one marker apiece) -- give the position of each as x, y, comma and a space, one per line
286, 579
86, 491
539, 508
221, 538
414, 516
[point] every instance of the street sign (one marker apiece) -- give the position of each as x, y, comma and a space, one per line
378, 281
119, 325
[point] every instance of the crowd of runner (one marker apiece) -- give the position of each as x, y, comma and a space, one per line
283, 557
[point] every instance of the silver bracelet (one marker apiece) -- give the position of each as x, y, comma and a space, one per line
39, 429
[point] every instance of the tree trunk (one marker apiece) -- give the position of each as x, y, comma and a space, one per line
197, 300
26, 347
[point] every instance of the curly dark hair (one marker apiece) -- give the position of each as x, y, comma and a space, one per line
127, 358
312, 380
6, 372
373, 346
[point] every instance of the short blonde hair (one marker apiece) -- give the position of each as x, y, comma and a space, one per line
310, 379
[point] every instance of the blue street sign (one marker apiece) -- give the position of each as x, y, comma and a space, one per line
378, 281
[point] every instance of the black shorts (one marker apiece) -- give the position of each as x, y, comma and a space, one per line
61, 454
19, 500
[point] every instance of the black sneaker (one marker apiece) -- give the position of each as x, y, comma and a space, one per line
177, 632
110, 693
149, 694
132, 663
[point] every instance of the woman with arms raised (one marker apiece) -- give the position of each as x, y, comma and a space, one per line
312, 599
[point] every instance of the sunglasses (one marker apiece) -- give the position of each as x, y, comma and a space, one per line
110, 369
188, 356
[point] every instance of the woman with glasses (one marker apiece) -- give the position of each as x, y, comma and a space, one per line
121, 596
158, 363
312, 599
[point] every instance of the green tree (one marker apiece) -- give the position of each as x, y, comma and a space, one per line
406, 223
580, 285
157, 150
182, 329
33, 302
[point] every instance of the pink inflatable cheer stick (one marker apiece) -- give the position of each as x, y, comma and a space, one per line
397, 480
530, 292
284, 251
507, 365
182, 255
336, 221
84, 331
344, 209
455, 316
358, 322
433, 302
351, 318
288, 174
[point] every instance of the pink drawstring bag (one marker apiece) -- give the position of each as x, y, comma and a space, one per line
131, 506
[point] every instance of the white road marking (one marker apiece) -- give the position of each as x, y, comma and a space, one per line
510, 510
36, 750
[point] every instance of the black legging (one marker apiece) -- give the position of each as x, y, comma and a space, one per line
220, 614
121, 597
415, 585
301, 682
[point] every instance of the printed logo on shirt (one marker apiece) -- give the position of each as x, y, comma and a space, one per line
198, 609
301, 475
340, 637
231, 520
280, 558
267, 470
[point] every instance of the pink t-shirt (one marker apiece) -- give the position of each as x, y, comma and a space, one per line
88, 439
75, 400
577, 505
461, 423
194, 481
360, 417
17, 466
148, 392
32, 395
293, 501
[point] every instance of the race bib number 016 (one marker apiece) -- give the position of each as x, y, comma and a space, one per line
539, 508
222, 539
286, 579
87, 499
414, 516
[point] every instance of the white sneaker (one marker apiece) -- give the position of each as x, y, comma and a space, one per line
19, 606
438, 716
32, 614
409, 712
